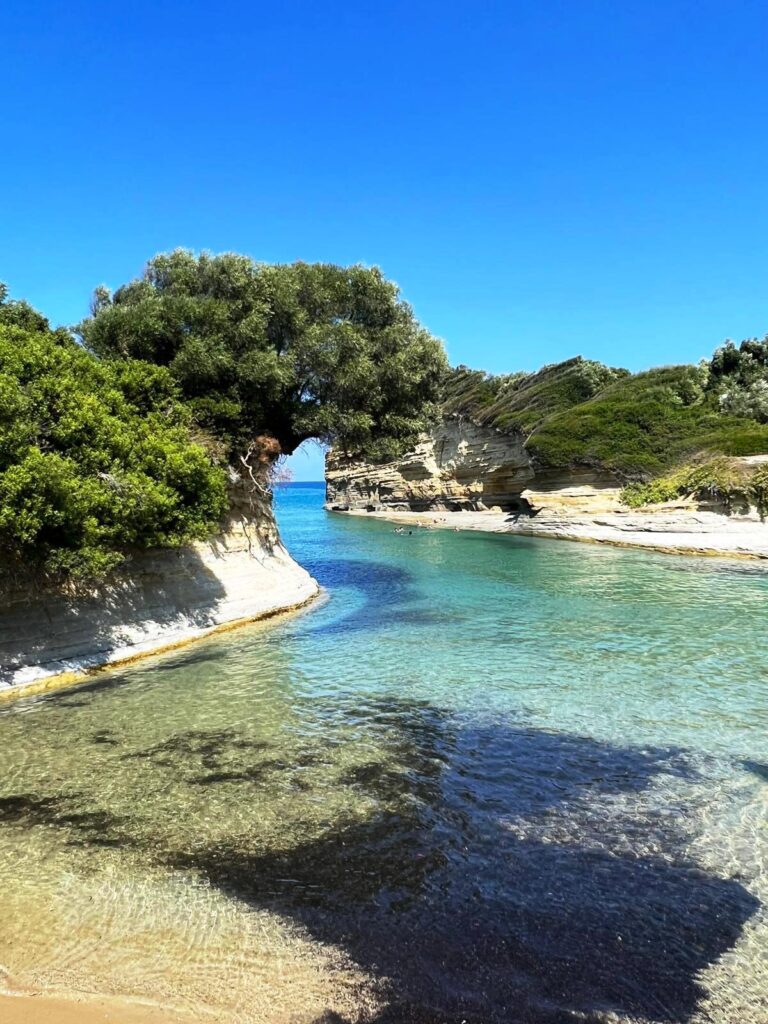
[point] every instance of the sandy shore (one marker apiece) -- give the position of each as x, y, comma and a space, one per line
670, 531
41, 1009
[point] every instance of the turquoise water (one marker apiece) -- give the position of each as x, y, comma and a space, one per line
487, 779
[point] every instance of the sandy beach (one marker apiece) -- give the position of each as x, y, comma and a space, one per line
42, 1009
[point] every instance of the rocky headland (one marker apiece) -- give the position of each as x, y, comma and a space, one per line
469, 476
121, 435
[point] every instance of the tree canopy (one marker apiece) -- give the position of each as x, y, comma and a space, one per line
739, 378
96, 458
295, 351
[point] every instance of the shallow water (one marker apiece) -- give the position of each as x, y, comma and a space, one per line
490, 779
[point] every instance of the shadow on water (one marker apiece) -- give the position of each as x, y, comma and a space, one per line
389, 593
508, 874
757, 768
85, 827
492, 872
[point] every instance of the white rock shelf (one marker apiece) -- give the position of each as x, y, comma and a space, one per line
162, 599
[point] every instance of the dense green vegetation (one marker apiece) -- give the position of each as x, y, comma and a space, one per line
96, 459
521, 401
739, 378
294, 351
646, 423
635, 425
121, 443
726, 480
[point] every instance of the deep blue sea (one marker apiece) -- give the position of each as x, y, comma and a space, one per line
486, 779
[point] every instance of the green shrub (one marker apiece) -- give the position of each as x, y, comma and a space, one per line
96, 459
641, 425
731, 482
655, 492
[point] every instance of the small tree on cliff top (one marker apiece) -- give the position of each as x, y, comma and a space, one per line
294, 351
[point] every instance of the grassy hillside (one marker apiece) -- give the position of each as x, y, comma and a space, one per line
636, 425
521, 401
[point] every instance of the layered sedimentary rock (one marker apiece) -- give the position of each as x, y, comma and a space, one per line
159, 599
460, 465
674, 527
488, 477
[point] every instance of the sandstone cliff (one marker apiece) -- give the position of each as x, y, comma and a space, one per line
159, 599
463, 466
488, 477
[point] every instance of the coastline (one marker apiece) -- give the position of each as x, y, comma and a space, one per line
77, 675
666, 531
163, 600
145, 954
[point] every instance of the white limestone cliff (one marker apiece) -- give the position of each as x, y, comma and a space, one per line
161, 598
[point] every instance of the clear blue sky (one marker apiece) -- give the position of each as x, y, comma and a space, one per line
543, 178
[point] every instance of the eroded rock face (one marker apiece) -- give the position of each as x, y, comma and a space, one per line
460, 465
463, 467
577, 491
457, 465
160, 598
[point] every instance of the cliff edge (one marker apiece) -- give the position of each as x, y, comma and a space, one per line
463, 466
161, 598
466, 476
